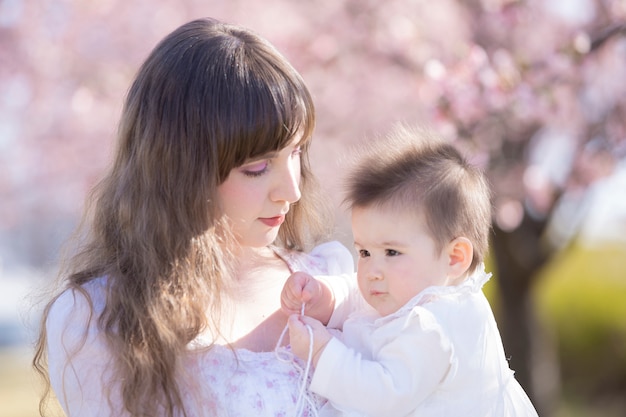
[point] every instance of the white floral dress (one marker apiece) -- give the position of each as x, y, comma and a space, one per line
219, 382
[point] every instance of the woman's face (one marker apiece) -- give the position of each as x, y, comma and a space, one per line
257, 195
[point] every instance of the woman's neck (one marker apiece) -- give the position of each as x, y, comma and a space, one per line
252, 317
250, 258
257, 269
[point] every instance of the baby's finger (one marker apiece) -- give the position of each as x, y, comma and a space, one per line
314, 323
296, 323
290, 302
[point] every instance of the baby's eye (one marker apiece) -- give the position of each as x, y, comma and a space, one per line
255, 169
391, 252
363, 253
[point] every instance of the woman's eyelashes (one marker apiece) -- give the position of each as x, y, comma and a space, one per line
260, 167
256, 169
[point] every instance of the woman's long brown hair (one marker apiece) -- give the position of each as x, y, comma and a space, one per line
208, 97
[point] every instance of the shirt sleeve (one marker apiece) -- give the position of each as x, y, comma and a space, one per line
79, 359
341, 279
337, 257
404, 371
348, 298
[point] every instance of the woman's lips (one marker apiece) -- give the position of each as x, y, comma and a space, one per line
272, 221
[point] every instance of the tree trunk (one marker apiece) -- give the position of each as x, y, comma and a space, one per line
519, 257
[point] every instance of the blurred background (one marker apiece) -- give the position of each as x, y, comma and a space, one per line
534, 91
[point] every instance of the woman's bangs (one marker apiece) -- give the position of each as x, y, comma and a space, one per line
264, 107
276, 117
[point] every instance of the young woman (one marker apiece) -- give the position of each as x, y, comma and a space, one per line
171, 305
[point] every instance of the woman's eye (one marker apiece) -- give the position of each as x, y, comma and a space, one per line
392, 252
255, 169
363, 253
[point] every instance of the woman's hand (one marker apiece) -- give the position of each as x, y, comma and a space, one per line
300, 338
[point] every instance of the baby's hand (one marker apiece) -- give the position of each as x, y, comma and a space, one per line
300, 288
299, 337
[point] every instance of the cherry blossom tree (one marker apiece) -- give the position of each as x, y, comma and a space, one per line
532, 90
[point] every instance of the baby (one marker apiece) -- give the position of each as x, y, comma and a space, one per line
420, 339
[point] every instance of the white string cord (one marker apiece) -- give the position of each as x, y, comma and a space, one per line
289, 357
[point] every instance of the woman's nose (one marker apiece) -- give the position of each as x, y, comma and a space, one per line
287, 187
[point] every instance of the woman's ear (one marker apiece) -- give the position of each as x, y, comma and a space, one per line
461, 254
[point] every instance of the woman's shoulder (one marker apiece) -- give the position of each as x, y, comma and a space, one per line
329, 258
72, 330
77, 303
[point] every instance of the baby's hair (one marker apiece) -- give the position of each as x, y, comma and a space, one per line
413, 169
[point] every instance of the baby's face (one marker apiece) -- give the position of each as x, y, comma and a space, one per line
397, 257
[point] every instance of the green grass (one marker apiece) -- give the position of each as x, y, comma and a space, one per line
19, 386
582, 298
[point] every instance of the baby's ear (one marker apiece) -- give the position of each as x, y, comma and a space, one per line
460, 253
